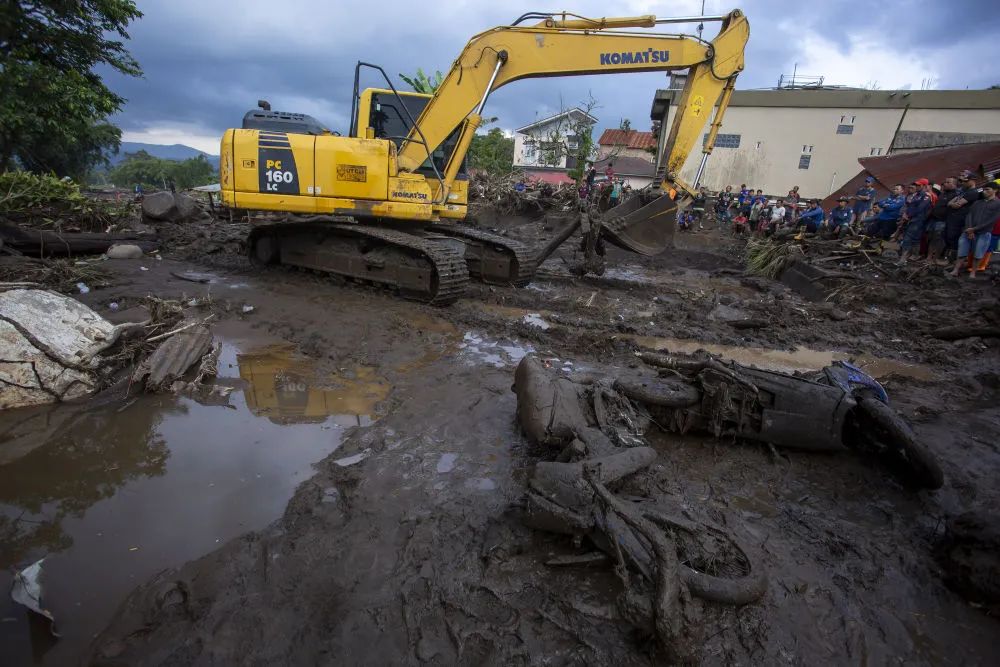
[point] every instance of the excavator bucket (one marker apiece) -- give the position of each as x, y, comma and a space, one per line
642, 225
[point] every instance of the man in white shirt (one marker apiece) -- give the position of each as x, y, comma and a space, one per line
777, 215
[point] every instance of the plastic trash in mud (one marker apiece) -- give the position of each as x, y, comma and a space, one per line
247, 308
83, 288
27, 590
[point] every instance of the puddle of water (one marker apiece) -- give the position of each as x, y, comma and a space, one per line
285, 388
800, 359
493, 352
111, 496
446, 463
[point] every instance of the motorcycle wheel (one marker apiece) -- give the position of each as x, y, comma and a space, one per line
891, 435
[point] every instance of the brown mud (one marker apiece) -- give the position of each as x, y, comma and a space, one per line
352, 503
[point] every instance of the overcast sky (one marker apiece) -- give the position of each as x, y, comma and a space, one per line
207, 62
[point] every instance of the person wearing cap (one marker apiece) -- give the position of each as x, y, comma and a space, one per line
812, 217
914, 218
840, 218
979, 223
864, 198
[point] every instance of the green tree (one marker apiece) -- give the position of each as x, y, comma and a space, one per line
53, 104
143, 169
492, 152
422, 83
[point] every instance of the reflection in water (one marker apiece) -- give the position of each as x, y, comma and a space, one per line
83, 456
285, 388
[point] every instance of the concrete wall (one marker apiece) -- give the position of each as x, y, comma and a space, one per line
772, 138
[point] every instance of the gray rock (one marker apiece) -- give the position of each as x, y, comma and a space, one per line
169, 206
124, 251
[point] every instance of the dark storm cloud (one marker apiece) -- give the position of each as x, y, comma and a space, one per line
206, 63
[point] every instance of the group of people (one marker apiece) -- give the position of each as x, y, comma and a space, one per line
945, 223
617, 189
951, 221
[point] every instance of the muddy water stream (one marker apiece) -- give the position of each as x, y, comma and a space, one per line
111, 495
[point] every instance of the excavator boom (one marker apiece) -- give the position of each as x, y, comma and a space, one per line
563, 45
400, 174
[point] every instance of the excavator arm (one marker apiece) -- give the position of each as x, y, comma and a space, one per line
567, 45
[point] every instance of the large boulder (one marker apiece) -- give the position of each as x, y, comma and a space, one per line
51, 346
168, 206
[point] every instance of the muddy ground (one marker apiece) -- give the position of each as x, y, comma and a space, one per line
178, 533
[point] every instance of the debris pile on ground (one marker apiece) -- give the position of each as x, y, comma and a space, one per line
61, 275
596, 433
46, 202
499, 195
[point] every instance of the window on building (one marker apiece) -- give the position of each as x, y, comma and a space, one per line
875, 151
845, 129
724, 140
804, 161
807, 148
758, 146
573, 143
852, 119
530, 150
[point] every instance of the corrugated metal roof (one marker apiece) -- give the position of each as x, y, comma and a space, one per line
935, 164
630, 139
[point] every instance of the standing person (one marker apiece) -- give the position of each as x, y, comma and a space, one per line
914, 218
777, 215
812, 217
792, 205
938, 219
864, 198
757, 205
968, 193
591, 175
742, 197
890, 208
840, 218
609, 171
699, 203
978, 226
616, 193
722, 204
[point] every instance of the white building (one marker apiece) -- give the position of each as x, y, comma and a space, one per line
774, 139
550, 144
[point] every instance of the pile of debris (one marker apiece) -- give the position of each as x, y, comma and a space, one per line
594, 426
499, 194
57, 349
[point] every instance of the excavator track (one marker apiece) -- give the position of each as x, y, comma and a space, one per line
419, 268
493, 258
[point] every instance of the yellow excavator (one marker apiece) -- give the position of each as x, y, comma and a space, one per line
381, 205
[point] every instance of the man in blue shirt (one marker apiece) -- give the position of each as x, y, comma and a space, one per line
812, 217
864, 198
914, 218
840, 218
891, 207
